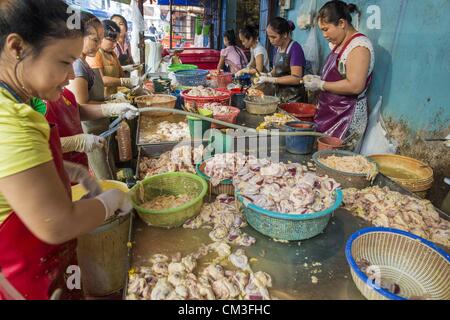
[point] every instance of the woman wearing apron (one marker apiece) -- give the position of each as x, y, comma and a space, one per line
38, 229
123, 48
107, 62
68, 114
346, 75
259, 59
288, 63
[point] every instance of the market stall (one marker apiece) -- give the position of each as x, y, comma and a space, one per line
316, 267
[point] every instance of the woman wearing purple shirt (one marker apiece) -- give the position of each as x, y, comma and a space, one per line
288, 63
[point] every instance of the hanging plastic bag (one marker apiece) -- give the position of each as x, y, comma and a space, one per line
311, 50
138, 27
306, 14
375, 140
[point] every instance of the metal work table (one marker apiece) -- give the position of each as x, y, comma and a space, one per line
285, 262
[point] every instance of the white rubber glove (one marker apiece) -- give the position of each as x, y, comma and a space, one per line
119, 109
82, 143
447, 143
115, 202
129, 68
79, 174
130, 82
266, 79
313, 83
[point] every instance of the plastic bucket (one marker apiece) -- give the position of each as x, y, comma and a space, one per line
103, 253
329, 143
237, 100
300, 144
197, 126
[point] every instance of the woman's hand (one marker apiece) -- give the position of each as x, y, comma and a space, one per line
313, 83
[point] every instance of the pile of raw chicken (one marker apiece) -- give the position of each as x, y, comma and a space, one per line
225, 220
180, 278
229, 276
167, 202
201, 91
277, 119
279, 187
180, 159
217, 108
165, 132
351, 164
385, 208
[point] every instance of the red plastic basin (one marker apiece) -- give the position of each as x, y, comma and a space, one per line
302, 111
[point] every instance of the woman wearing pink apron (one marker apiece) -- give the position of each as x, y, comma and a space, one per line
37, 237
346, 76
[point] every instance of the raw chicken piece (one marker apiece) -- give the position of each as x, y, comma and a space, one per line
176, 267
189, 263
162, 289
159, 258
224, 289
214, 271
160, 269
239, 260
221, 248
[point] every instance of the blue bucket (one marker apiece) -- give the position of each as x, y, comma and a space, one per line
300, 144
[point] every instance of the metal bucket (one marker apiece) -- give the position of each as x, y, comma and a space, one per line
103, 253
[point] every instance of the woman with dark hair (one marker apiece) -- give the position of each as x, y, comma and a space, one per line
232, 56
38, 232
288, 63
259, 59
345, 77
73, 107
107, 62
123, 48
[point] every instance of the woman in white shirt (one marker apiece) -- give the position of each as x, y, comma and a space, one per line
259, 61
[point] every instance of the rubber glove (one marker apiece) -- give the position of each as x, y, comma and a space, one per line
79, 174
119, 109
266, 79
82, 143
129, 67
313, 83
447, 143
115, 202
131, 82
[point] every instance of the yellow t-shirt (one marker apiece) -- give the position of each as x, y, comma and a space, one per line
24, 141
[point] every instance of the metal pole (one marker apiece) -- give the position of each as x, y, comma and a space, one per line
141, 36
171, 28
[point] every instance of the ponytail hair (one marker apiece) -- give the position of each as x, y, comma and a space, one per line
281, 25
334, 11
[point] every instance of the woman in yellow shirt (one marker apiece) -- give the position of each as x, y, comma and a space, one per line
107, 62
39, 220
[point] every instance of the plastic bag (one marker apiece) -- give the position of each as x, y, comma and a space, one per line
306, 14
311, 50
375, 139
138, 27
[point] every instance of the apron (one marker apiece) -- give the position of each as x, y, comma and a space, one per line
65, 113
281, 68
34, 268
123, 54
111, 68
335, 112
